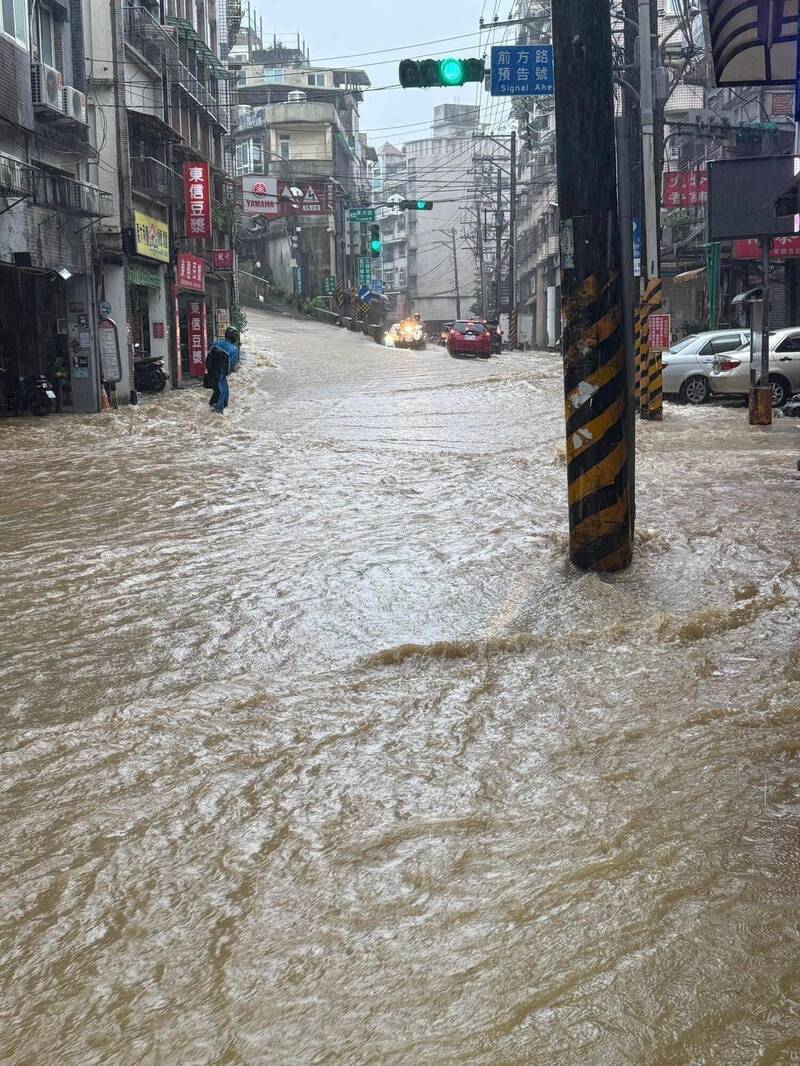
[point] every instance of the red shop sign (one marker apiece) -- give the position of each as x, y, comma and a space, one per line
197, 194
659, 332
196, 330
780, 248
685, 188
222, 259
191, 272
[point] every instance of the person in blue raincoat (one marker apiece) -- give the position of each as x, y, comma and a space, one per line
222, 360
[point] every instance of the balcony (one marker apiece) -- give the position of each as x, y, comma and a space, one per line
299, 169
73, 197
199, 93
154, 179
16, 177
146, 34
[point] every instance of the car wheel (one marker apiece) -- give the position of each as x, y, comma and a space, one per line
695, 390
781, 390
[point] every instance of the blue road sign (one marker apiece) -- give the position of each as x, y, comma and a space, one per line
522, 70
377, 286
365, 293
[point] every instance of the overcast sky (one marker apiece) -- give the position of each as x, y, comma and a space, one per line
340, 29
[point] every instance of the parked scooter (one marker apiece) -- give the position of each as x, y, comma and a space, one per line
149, 375
34, 394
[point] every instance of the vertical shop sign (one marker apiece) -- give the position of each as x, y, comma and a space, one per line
191, 272
197, 195
196, 326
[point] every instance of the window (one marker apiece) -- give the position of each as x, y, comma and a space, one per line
285, 146
15, 20
726, 344
316, 79
47, 43
257, 155
273, 73
791, 344
401, 277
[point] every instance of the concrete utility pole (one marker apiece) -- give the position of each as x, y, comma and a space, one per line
498, 236
513, 333
481, 264
599, 440
652, 409
455, 272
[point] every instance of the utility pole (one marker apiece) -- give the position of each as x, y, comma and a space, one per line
599, 442
481, 264
498, 237
650, 408
513, 332
455, 272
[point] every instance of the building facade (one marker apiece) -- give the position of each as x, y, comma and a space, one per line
49, 204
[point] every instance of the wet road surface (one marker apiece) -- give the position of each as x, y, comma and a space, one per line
316, 749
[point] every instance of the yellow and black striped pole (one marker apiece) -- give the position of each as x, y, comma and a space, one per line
652, 380
340, 298
639, 326
599, 432
513, 329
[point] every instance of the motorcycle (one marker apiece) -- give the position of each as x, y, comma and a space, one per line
34, 394
148, 374
407, 335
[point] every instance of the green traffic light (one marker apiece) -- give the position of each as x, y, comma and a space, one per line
451, 71
421, 205
375, 246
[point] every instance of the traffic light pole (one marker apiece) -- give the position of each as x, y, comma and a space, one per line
598, 429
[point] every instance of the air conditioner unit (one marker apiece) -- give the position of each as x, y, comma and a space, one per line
46, 86
75, 104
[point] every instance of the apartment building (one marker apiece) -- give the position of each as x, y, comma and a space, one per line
298, 136
163, 104
49, 207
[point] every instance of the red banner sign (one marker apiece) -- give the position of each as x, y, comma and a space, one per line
196, 330
222, 259
191, 272
781, 248
197, 194
659, 332
687, 188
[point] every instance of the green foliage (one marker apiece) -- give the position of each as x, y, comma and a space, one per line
238, 318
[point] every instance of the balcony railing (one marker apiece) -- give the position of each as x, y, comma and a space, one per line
156, 180
74, 197
200, 93
147, 35
16, 177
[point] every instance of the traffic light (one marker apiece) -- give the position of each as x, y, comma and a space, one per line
426, 73
416, 205
375, 244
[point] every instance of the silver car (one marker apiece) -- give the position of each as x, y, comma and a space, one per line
688, 364
731, 375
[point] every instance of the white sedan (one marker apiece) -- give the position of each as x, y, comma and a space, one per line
689, 362
731, 373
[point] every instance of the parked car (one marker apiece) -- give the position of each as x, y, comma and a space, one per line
469, 338
493, 327
731, 373
688, 364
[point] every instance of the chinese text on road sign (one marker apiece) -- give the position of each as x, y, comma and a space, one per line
522, 70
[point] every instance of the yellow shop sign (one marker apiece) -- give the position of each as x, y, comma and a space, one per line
152, 237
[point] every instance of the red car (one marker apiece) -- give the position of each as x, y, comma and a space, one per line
469, 338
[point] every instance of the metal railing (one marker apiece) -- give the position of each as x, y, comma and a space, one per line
155, 179
75, 197
199, 92
16, 177
147, 35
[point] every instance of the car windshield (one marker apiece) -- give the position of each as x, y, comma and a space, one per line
468, 327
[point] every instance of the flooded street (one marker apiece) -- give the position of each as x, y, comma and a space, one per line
315, 749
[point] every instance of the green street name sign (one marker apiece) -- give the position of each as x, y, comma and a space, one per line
362, 214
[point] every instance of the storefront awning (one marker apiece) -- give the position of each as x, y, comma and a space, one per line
754, 42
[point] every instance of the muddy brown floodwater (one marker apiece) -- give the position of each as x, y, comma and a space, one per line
316, 750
